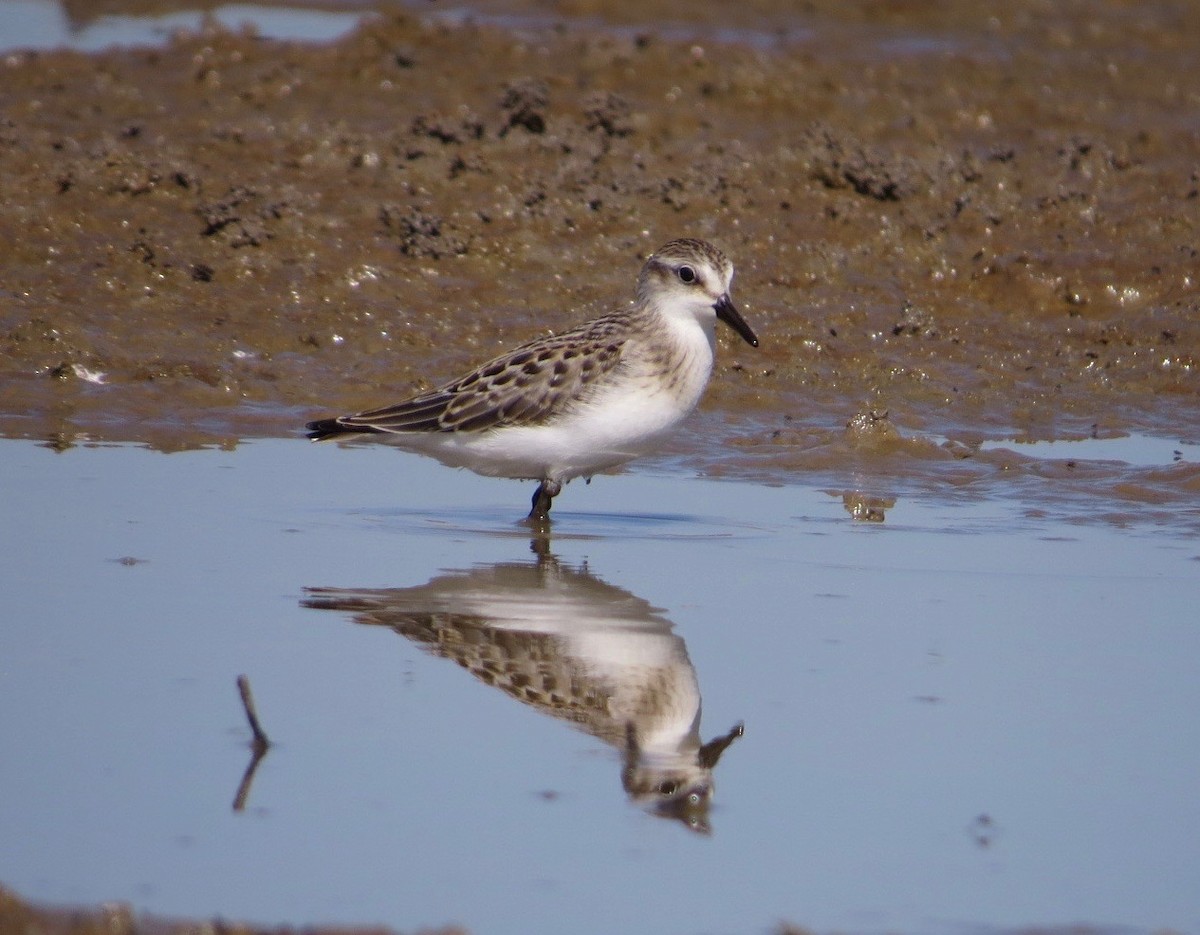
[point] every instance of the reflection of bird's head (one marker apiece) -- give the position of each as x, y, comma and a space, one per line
679, 785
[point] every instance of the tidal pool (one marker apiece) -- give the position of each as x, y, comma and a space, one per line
963, 718
44, 24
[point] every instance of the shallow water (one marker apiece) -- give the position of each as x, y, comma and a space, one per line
46, 24
962, 717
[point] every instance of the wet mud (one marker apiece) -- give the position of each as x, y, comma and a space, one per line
19, 917
981, 222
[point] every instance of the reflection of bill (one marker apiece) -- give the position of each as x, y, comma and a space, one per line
569, 645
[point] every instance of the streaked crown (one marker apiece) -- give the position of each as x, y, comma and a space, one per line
686, 264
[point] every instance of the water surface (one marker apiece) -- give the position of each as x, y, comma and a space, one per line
963, 716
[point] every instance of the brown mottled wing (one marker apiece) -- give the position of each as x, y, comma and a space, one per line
523, 387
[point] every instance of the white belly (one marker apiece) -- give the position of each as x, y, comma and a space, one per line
591, 439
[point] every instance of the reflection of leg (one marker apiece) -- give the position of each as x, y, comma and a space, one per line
542, 497
539, 544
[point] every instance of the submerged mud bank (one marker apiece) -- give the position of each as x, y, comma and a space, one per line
19, 917
983, 223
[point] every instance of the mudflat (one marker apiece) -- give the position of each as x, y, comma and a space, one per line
982, 221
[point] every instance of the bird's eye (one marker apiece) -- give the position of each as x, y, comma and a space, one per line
667, 787
687, 274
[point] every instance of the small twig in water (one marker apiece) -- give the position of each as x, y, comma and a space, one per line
258, 746
261, 741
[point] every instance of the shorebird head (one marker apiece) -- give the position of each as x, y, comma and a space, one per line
692, 277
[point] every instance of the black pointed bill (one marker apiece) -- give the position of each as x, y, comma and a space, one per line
728, 313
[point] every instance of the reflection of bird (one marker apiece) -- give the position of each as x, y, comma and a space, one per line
571, 646
586, 400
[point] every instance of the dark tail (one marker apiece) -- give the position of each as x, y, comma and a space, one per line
331, 428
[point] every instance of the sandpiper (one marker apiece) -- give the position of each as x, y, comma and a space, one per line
580, 402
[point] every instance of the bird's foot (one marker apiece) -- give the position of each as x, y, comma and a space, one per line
542, 498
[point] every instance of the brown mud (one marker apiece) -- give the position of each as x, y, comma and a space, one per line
19, 917
982, 220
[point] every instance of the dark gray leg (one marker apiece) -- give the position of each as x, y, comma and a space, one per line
546, 492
